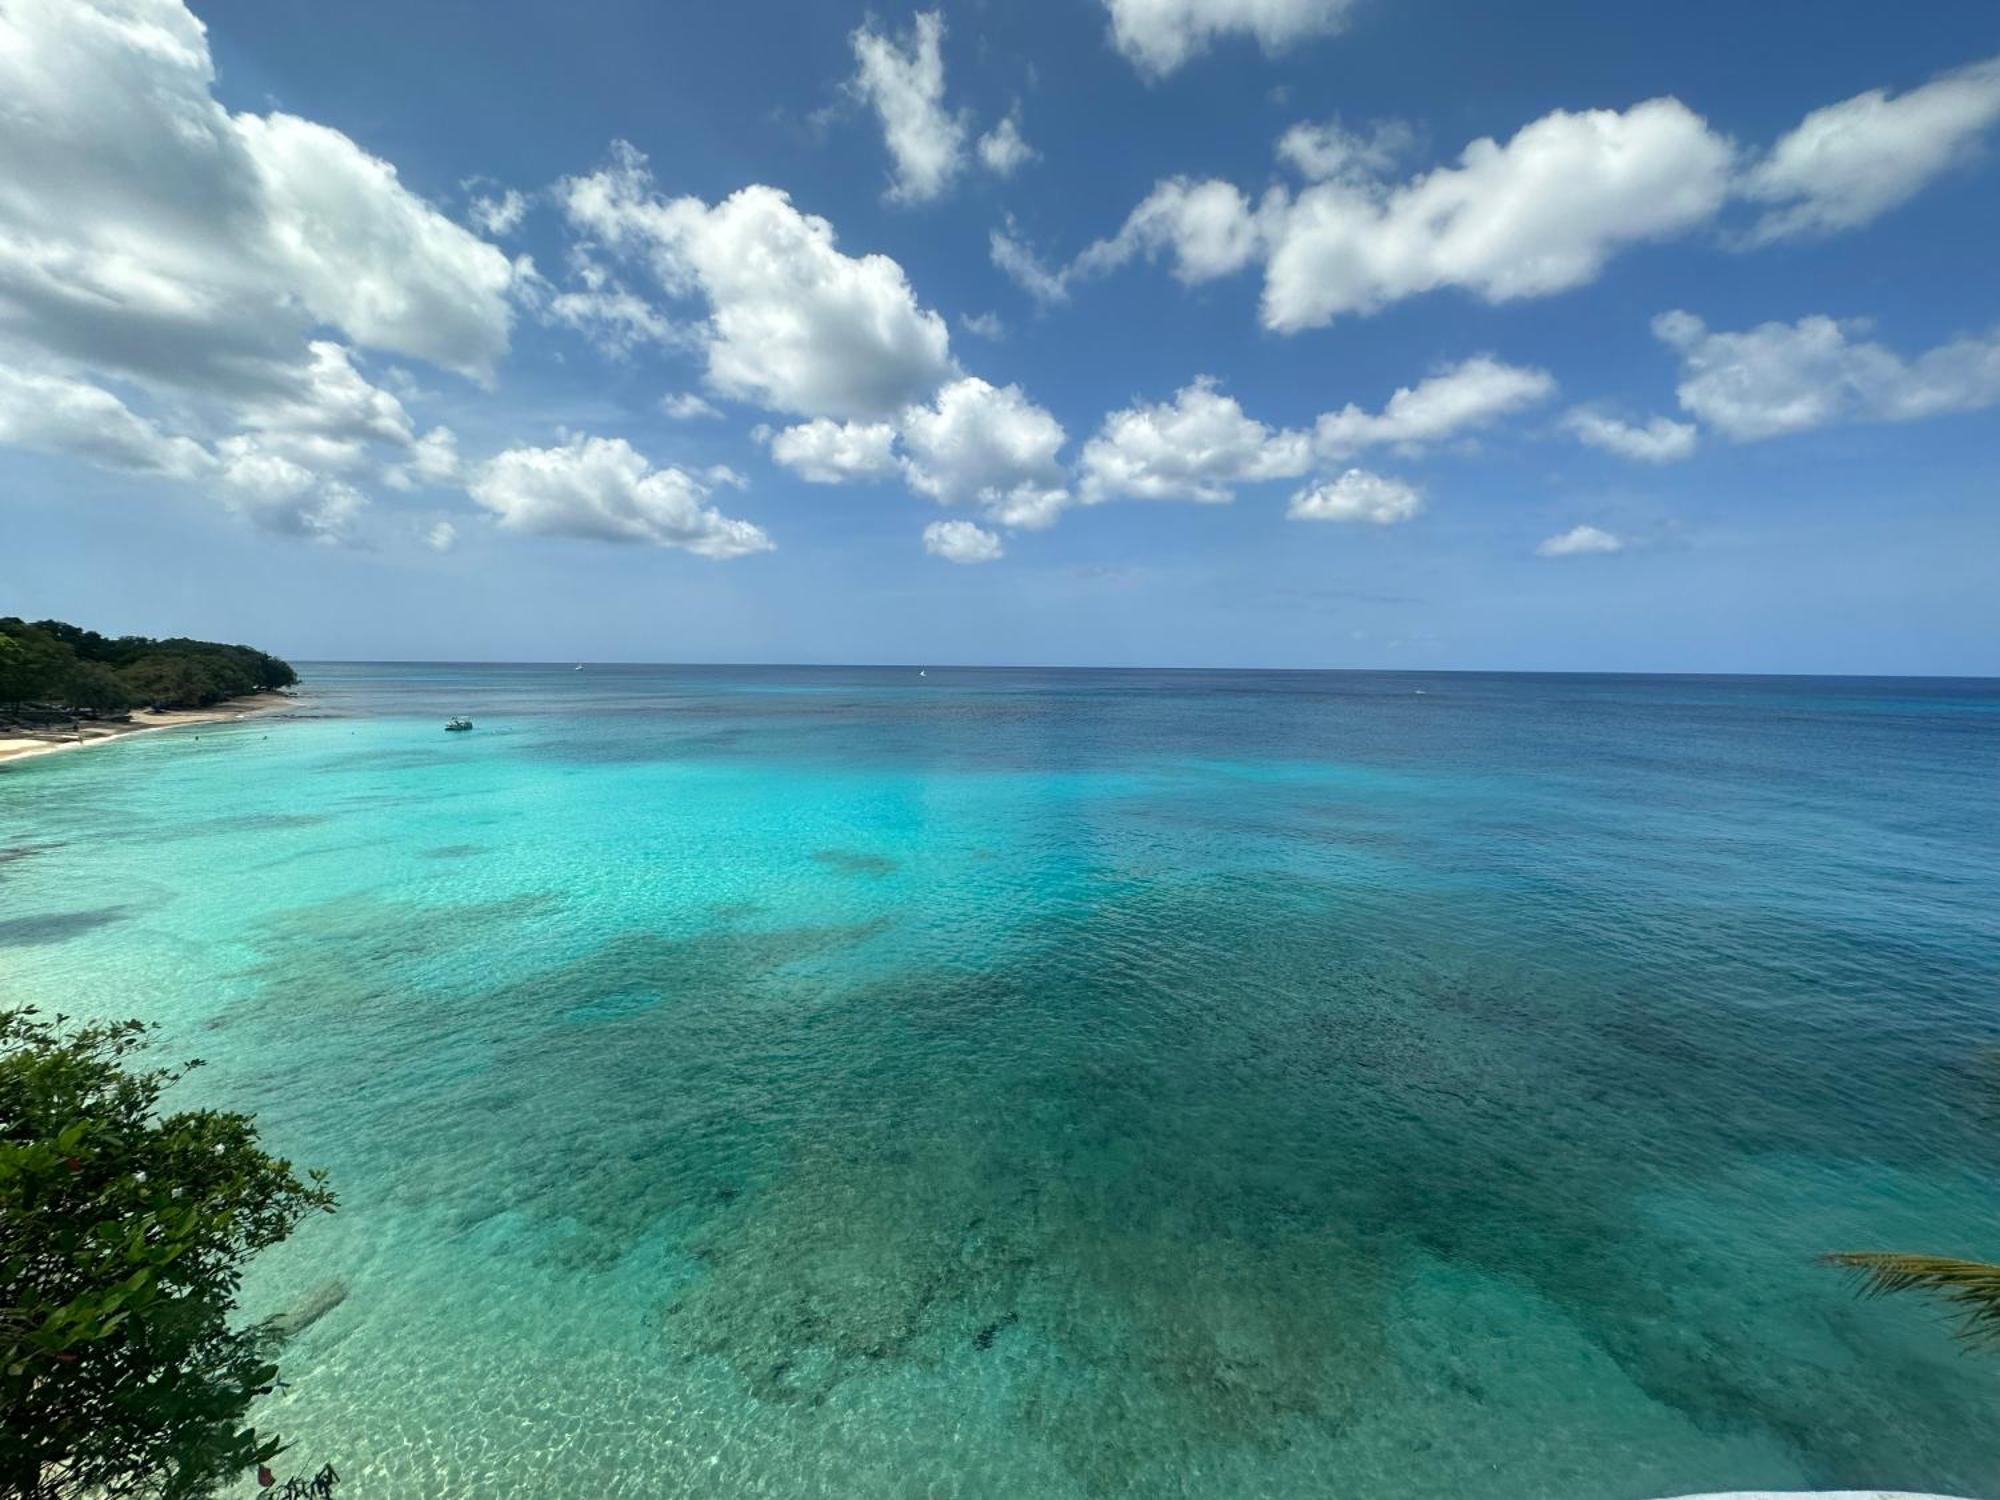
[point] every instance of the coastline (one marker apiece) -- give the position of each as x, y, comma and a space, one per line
19, 745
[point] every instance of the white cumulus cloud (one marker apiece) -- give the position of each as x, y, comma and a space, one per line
990, 447
1002, 150
1465, 397
1198, 446
1208, 228
686, 406
1322, 151
58, 414
603, 489
615, 319
497, 214
1357, 495
1660, 441
1157, 36
1538, 214
209, 274
1781, 378
962, 542
904, 85
1579, 541
824, 451
794, 324
1013, 256
1851, 162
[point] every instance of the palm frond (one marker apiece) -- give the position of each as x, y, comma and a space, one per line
1971, 1286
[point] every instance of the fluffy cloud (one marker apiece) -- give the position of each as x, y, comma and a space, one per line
1852, 162
962, 542
1323, 152
1159, 35
1002, 150
1579, 541
990, 447
905, 88
603, 489
57, 414
1025, 268
368, 257
1465, 397
1357, 495
1209, 228
497, 214
433, 461
1538, 214
1196, 447
823, 451
212, 263
976, 444
1782, 378
597, 305
794, 324
1660, 441
1535, 215
686, 406
441, 537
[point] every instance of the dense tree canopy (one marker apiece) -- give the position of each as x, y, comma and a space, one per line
61, 666
123, 1237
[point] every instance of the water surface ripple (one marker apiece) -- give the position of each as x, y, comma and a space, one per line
804, 1082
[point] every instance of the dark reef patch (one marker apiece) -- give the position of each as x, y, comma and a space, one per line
452, 851
259, 822
856, 862
56, 927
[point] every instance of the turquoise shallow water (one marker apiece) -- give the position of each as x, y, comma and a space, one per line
840, 1083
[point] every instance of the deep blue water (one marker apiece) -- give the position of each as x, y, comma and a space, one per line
806, 1082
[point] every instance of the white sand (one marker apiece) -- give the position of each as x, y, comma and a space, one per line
20, 744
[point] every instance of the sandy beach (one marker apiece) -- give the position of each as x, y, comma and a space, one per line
20, 743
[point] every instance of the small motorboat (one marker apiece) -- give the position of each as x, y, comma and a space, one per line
454, 726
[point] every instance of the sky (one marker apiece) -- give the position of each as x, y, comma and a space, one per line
1294, 333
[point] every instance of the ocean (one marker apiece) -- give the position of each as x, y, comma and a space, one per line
794, 1082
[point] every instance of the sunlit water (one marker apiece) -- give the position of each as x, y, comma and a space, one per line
846, 1083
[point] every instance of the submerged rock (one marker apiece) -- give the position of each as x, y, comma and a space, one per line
316, 1304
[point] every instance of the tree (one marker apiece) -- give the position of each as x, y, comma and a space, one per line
1972, 1287
33, 666
173, 681
123, 1238
94, 688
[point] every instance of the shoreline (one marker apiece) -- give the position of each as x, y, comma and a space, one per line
19, 745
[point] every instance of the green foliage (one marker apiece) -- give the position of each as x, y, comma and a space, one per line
94, 688
34, 666
1972, 1287
54, 663
123, 1238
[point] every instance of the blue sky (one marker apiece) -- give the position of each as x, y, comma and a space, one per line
1058, 333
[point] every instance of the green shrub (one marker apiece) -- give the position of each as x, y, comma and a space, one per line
123, 1238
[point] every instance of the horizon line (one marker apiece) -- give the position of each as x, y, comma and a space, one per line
914, 666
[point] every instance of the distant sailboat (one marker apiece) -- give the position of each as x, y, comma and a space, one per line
922, 673
577, 668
